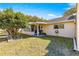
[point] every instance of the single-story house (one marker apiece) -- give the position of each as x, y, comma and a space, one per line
62, 26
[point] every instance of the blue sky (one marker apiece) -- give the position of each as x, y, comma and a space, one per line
44, 10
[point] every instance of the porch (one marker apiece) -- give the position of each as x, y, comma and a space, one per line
36, 29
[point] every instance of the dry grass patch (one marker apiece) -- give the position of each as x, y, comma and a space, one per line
28, 46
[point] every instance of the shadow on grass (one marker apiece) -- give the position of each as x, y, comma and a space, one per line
21, 36
3, 38
25, 36
59, 46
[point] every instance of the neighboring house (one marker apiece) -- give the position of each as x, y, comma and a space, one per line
63, 26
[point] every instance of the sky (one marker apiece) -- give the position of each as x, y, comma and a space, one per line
43, 10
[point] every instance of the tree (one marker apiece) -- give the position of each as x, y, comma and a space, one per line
35, 19
70, 11
12, 21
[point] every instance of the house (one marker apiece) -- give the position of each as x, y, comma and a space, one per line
62, 26
77, 30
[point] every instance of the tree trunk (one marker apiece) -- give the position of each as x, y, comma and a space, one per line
9, 34
13, 33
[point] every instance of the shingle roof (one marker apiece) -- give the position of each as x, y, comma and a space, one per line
57, 19
62, 19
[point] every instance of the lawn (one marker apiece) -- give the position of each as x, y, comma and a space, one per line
26, 46
34, 46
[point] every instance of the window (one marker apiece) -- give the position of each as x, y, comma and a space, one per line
55, 26
59, 26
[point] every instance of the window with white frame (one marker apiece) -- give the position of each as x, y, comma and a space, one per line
59, 26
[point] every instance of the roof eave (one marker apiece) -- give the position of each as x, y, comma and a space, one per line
51, 22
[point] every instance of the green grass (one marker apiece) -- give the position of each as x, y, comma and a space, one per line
32, 46
63, 40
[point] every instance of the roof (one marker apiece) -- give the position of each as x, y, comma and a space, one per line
72, 17
37, 22
62, 19
57, 20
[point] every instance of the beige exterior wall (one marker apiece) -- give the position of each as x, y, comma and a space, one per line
68, 31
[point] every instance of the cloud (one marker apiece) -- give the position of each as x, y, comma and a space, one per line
72, 4
67, 8
1, 9
54, 16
